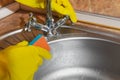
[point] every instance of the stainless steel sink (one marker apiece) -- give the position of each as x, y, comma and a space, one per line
76, 57
82, 58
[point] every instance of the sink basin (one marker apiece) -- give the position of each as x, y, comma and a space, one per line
82, 58
74, 58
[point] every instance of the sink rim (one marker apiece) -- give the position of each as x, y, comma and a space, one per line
62, 37
65, 37
10, 34
82, 37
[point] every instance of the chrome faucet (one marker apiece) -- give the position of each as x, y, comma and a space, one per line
32, 22
50, 27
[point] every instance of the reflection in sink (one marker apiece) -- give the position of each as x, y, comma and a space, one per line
82, 58
75, 58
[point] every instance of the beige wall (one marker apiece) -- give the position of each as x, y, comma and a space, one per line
106, 7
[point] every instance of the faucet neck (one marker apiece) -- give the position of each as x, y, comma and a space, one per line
49, 19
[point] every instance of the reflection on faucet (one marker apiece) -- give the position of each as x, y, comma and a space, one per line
50, 27
32, 22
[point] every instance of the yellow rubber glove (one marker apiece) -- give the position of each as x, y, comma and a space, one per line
24, 60
61, 6
4, 72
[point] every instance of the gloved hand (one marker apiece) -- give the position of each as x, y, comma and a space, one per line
24, 60
4, 72
61, 6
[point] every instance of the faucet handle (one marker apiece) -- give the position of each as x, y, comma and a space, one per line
32, 22
60, 22
30, 14
41, 27
28, 25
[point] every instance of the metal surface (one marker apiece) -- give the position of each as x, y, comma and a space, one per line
74, 58
82, 58
32, 22
50, 19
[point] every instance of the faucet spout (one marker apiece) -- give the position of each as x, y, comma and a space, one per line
49, 19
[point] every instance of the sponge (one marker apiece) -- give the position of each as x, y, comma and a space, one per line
40, 41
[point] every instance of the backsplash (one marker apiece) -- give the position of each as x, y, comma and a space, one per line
105, 7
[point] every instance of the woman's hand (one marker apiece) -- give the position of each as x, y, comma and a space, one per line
24, 60
60, 6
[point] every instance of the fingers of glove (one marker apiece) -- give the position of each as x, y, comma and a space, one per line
66, 3
64, 8
27, 51
38, 60
23, 43
73, 16
68, 6
28, 54
20, 47
59, 9
59, 2
30, 3
43, 53
41, 3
